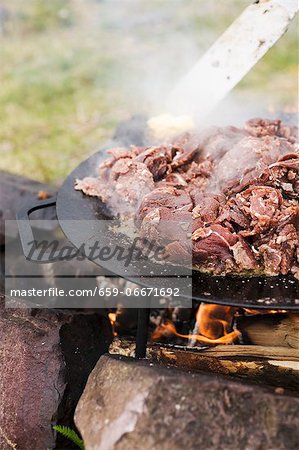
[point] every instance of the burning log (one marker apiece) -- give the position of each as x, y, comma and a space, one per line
268, 365
272, 359
277, 366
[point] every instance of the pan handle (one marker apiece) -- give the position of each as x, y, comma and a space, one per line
25, 230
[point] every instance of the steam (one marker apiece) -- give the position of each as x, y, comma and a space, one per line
154, 44
157, 43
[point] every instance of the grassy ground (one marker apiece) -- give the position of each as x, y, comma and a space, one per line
72, 69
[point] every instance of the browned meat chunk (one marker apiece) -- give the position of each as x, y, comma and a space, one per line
165, 214
265, 127
228, 195
123, 186
213, 246
157, 160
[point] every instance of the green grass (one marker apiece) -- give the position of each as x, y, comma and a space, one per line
54, 110
71, 70
55, 95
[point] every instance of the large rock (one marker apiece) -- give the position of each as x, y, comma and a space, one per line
132, 405
17, 192
45, 359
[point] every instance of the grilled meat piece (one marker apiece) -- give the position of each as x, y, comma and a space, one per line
121, 186
228, 196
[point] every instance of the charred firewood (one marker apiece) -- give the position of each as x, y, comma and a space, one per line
276, 330
277, 366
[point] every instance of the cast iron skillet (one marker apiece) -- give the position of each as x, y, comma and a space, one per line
252, 292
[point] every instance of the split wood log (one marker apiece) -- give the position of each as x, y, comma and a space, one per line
275, 330
277, 366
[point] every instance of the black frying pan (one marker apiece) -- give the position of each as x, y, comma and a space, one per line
252, 292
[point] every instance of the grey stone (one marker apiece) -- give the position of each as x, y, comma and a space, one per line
45, 359
17, 192
132, 405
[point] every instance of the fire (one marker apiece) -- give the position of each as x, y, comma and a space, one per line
213, 323
264, 311
112, 318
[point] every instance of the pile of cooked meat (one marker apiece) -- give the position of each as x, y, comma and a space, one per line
238, 187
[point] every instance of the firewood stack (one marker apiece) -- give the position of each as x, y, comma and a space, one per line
267, 351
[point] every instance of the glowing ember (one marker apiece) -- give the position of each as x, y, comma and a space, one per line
264, 311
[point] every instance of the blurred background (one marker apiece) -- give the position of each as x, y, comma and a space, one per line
71, 70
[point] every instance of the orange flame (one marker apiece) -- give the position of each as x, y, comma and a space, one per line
264, 311
213, 323
112, 318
